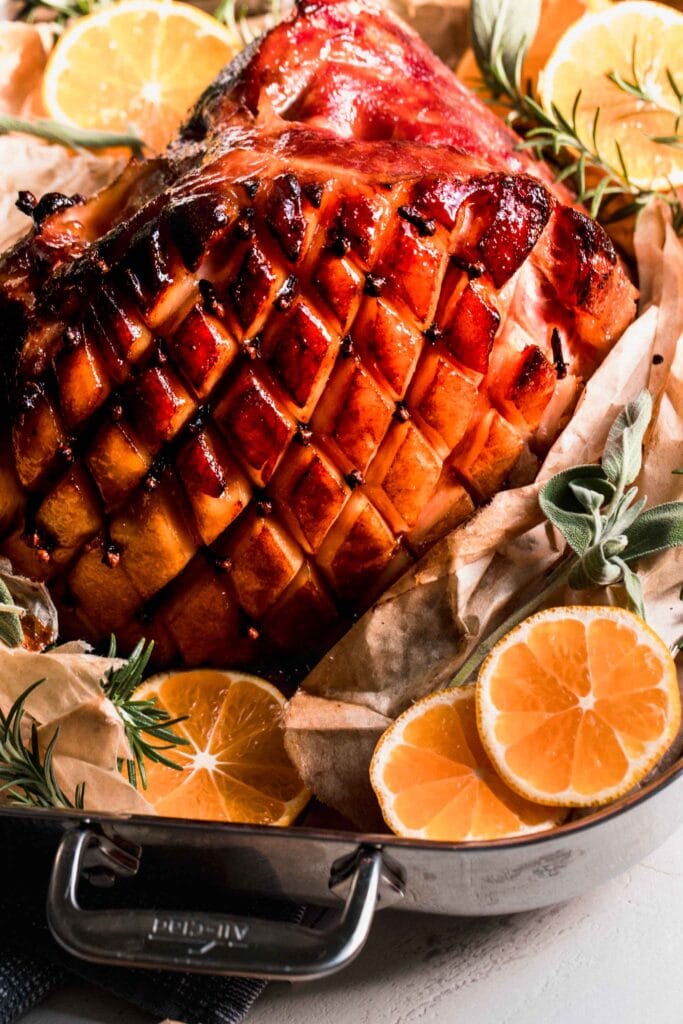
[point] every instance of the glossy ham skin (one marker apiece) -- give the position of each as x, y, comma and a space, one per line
253, 380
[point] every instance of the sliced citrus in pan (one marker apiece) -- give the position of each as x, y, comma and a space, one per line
235, 767
641, 43
576, 705
434, 780
137, 64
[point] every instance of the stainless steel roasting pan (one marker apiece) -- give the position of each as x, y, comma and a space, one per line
189, 895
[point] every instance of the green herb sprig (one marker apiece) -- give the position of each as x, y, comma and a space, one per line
143, 720
71, 137
501, 32
26, 776
604, 522
57, 11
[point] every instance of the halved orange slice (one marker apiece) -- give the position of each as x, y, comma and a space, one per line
433, 779
137, 64
235, 766
575, 705
640, 42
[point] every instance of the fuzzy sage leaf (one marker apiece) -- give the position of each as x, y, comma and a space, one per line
501, 31
71, 136
656, 529
11, 632
561, 505
634, 590
622, 457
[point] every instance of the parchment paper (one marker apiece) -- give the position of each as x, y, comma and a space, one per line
413, 640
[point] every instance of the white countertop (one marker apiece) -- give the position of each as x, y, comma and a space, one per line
613, 957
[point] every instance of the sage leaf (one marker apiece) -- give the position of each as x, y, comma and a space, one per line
624, 515
562, 508
656, 529
589, 499
622, 457
71, 136
599, 566
11, 632
634, 590
502, 31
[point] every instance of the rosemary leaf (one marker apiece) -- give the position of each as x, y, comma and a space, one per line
676, 141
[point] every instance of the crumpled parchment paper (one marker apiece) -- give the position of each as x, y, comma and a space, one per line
91, 734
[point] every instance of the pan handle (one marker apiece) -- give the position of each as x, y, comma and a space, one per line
206, 942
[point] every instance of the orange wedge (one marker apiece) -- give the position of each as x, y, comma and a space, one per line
235, 767
642, 42
137, 64
576, 705
433, 779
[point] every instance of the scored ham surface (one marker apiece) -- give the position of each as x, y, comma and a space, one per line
254, 379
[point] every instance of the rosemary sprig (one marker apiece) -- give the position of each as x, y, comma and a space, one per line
142, 719
555, 137
26, 776
60, 10
70, 136
636, 87
604, 522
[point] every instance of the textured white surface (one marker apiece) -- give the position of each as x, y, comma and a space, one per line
613, 957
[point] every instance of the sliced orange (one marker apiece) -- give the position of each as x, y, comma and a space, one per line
235, 767
137, 64
642, 42
575, 705
433, 779
556, 17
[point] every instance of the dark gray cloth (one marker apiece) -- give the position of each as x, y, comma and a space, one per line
24, 983
195, 999
32, 966
191, 998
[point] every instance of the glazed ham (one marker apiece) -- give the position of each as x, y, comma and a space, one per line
254, 379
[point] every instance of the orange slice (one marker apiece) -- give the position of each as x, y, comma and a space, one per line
433, 779
556, 17
137, 64
576, 705
638, 40
235, 767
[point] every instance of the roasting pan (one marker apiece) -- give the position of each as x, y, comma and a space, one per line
189, 896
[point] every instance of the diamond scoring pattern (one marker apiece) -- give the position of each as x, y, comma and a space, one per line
280, 424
